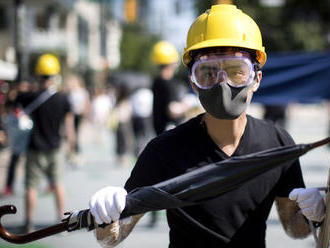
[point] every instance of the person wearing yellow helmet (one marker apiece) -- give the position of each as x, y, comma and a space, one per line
164, 53
51, 109
47, 65
224, 56
167, 107
48, 71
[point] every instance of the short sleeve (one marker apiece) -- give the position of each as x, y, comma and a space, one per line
292, 175
173, 91
149, 169
291, 179
67, 104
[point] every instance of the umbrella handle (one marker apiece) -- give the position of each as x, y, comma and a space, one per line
29, 237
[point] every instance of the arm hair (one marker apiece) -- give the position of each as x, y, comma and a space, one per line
292, 220
113, 234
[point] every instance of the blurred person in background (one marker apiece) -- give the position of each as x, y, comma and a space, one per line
4, 87
276, 114
101, 107
15, 152
141, 101
168, 108
42, 156
224, 56
80, 103
124, 135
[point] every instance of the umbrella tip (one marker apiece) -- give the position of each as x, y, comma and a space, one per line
320, 143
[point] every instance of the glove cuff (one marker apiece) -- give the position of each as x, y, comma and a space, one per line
315, 224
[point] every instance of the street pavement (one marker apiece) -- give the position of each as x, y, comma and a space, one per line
306, 123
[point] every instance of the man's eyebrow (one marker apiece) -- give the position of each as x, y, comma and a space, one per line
232, 66
209, 66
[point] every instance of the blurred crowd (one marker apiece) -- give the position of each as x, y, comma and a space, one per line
114, 106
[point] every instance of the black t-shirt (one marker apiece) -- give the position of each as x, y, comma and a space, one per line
238, 216
164, 91
47, 120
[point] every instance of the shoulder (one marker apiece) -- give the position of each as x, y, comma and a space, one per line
61, 100
179, 138
269, 130
159, 159
181, 132
26, 96
61, 97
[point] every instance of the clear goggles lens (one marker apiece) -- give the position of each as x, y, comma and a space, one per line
237, 71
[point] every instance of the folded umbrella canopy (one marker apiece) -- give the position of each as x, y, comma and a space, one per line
191, 188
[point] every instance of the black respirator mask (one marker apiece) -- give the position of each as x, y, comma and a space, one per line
223, 82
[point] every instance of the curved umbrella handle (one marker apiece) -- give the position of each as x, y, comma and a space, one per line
29, 237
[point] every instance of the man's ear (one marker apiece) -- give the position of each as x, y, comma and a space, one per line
258, 79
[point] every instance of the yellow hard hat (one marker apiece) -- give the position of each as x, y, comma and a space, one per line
47, 65
224, 26
164, 53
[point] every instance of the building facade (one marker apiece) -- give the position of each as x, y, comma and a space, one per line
81, 33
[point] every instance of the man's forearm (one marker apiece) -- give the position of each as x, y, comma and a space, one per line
298, 226
293, 221
113, 234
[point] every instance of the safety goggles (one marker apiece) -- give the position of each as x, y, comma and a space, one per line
236, 69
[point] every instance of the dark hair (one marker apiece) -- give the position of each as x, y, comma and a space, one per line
163, 66
43, 78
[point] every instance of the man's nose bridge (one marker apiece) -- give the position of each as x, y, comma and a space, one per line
222, 75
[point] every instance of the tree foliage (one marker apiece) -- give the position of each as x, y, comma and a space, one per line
298, 25
135, 48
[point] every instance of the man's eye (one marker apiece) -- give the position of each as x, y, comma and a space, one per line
209, 72
236, 73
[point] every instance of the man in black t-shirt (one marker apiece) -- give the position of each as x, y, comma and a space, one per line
168, 108
42, 156
165, 92
224, 56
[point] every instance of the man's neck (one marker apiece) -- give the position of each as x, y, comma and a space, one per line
167, 73
226, 133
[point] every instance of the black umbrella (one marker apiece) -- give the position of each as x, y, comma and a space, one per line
211, 180
191, 188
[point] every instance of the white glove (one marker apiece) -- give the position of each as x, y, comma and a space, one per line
107, 204
310, 202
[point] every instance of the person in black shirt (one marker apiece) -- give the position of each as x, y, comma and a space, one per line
224, 56
276, 114
42, 154
168, 107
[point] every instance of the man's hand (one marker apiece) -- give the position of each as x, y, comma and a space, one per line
310, 202
107, 204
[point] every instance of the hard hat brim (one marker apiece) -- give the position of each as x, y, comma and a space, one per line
261, 54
